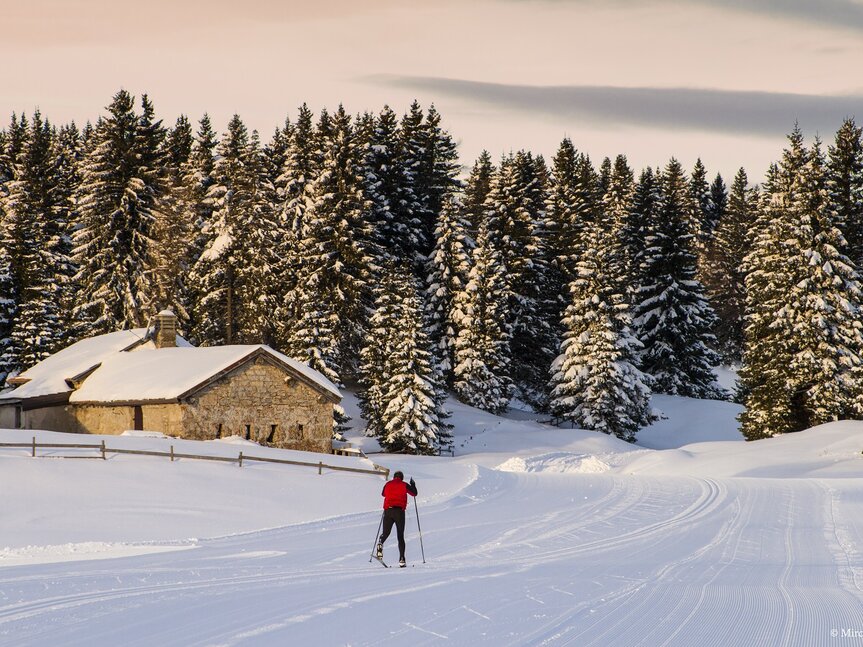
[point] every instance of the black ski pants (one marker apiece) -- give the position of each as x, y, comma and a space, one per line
395, 516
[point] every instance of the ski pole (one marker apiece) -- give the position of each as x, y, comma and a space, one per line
377, 534
417, 510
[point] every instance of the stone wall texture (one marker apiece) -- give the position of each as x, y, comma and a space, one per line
260, 401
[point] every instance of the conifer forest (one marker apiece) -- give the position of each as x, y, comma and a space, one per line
363, 246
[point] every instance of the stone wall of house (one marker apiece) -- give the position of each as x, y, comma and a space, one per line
259, 401
102, 419
167, 418
7, 416
59, 418
114, 420
55, 418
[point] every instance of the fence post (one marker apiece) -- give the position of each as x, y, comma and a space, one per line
320, 467
34, 447
103, 450
241, 459
172, 453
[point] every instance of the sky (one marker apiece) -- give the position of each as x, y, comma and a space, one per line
723, 80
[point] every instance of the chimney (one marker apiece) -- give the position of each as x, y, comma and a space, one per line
165, 333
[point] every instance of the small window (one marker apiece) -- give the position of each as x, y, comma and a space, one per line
248, 432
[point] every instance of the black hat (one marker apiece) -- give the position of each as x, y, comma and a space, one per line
399, 475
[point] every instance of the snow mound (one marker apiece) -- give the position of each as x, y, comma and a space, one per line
136, 433
234, 440
87, 550
556, 462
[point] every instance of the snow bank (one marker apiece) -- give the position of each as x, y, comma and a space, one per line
560, 463
827, 451
82, 551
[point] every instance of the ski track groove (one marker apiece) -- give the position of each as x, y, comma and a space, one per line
712, 495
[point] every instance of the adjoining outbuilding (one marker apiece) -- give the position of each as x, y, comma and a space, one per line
153, 379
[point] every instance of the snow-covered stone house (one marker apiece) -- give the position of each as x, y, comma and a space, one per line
153, 379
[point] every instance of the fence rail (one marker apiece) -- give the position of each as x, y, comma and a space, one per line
33, 446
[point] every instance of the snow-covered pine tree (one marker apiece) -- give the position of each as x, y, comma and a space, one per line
672, 317
482, 349
845, 187
621, 226
717, 207
197, 178
12, 144
429, 158
560, 227
402, 401
762, 379
476, 191
333, 276
377, 349
8, 298
514, 223
156, 202
87, 136
65, 161
115, 201
645, 203
36, 330
300, 166
810, 371
388, 186
604, 176
302, 160
440, 170
588, 205
213, 275
413, 416
699, 195
9, 149
448, 268
257, 233
595, 382
177, 149
231, 277
723, 267
174, 226
414, 159
275, 154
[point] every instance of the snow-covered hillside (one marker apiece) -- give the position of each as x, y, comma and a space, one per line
532, 535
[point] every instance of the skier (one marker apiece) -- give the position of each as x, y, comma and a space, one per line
395, 494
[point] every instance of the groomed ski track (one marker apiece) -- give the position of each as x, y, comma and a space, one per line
512, 559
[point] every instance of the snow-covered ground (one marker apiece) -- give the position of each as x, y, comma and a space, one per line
531, 535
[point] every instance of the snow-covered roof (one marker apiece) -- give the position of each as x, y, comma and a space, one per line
49, 376
168, 373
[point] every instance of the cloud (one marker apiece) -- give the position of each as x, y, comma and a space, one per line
846, 14
764, 114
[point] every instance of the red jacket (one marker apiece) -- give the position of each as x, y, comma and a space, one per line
395, 493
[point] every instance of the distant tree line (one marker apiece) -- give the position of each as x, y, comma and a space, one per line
353, 243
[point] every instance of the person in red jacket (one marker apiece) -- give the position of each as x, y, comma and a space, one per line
395, 494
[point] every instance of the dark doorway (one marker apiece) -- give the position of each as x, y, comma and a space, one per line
139, 418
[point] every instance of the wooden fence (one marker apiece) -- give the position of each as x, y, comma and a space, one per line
33, 446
